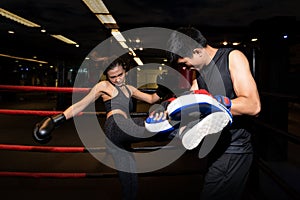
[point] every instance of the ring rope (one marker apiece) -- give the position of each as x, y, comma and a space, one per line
88, 175
57, 149
49, 113
29, 112
53, 89
55, 174
44, 88
42, 148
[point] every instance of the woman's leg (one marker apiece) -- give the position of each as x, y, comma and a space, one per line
116, 129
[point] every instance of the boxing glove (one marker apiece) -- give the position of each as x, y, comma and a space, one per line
158, 120
200, 91
162, 91
162, 80
42, 130
224, 101
220, 98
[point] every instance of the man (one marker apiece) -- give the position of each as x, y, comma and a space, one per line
226, 72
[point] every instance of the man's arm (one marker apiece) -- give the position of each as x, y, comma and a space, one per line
247, 101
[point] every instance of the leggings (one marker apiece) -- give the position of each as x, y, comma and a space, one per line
116, 128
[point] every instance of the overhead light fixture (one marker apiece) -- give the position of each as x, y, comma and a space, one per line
235, 43
124, 45
99, 9
96, 6
118, 35
106, 19
20, 58
64, 39
138, 61
17, 18
225, 43
132, 52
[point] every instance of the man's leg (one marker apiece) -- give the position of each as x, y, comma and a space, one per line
226, 177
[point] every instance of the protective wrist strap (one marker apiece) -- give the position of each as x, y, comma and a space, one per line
58, 119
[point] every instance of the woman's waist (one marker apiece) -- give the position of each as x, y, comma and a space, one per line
117, 111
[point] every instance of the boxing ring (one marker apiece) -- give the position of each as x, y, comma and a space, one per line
45, 152
44, 148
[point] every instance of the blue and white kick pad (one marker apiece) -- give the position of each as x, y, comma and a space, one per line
185, 107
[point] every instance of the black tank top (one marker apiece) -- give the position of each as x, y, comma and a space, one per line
120, 101
215, 78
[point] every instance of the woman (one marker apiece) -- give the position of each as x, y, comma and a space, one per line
116, 95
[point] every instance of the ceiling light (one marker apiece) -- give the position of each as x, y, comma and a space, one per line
235, 43
124, 45
64, 39
96, 6
119, 37
138, 61
106, 19
225, 43
17, 18
20, 58
132, 52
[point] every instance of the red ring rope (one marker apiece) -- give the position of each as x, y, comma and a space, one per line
55, 174
29, 112
43, 88
42, 148
49, 113
86, 175
43, 113
72, 149
55, 149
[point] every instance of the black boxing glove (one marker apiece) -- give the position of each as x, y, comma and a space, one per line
158, 120
162, 107
162, 91
42, 130
161, 80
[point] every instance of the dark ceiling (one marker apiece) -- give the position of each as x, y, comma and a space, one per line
219, 19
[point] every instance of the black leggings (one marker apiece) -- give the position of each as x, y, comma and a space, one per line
116, 128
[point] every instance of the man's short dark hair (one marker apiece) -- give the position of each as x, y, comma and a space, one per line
183, 41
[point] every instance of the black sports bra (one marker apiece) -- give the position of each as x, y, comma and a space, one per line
120, 101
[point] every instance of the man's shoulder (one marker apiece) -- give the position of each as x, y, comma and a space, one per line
226, 49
